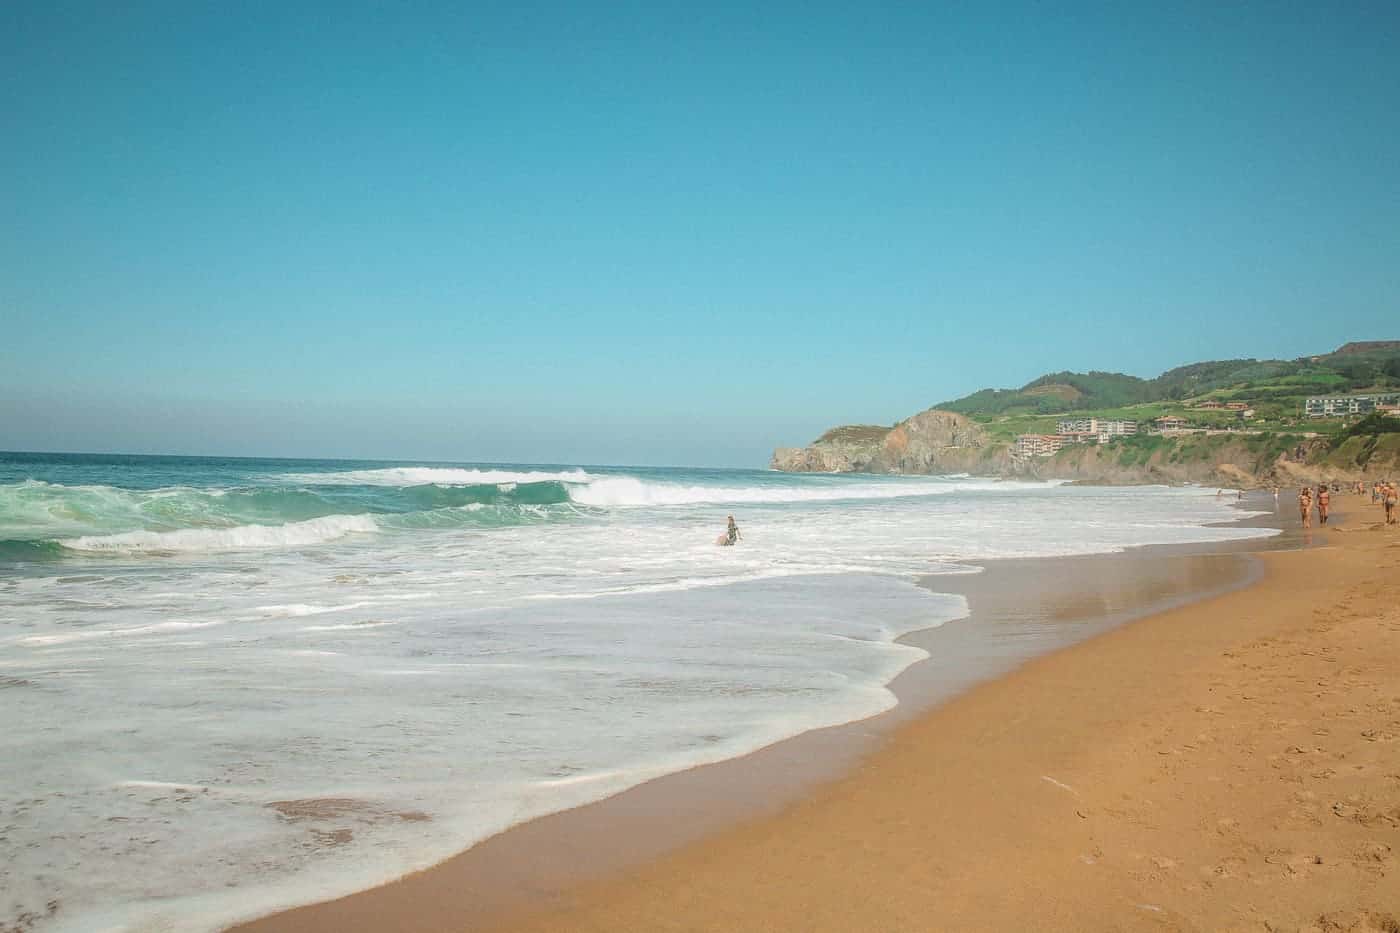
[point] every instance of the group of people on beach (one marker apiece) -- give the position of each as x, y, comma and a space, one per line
1384, 492
1307, 499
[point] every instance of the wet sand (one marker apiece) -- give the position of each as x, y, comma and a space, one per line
918, 820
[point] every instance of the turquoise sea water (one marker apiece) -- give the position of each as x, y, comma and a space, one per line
197, 654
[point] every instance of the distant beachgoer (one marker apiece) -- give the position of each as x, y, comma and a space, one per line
731, 534
1305, 506
1324, 503
1392, 498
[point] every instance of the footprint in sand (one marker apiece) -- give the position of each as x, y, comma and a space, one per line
1374, 856
1353, 921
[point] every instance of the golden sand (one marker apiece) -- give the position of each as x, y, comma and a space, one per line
1230, 765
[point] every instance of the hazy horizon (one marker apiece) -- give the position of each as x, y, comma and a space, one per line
271, 453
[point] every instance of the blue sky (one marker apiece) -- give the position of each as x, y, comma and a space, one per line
663, 233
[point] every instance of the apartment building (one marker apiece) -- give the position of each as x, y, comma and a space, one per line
1101, 427
1037, 445
1336, 406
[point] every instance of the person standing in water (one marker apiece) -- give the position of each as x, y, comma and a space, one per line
731, 535
1324, 503
1305, 506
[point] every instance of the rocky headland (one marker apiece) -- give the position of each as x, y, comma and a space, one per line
930, 442
940, 442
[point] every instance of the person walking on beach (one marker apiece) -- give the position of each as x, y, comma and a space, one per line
1391, 496
1324, 503
1305, 505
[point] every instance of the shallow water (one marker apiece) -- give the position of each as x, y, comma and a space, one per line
232, 685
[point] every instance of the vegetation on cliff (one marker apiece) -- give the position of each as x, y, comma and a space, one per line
1279, 384
1271, 441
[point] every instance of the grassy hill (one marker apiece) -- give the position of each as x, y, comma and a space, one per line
1276, 388
1267, 440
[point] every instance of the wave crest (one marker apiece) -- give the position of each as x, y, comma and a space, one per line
438, 476
629, 491
241, 537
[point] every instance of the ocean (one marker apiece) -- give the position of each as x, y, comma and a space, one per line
233, 685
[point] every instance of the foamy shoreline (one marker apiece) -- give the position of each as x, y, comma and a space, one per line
1225, 765
508, 872
218, 693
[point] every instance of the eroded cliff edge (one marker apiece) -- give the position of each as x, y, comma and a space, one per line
932, 441
940, 442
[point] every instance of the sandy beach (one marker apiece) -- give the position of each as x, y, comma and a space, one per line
1233, 763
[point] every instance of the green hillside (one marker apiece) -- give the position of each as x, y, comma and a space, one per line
1276, 387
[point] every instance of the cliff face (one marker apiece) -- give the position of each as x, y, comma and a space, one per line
1233, 465
930, 442
936, 441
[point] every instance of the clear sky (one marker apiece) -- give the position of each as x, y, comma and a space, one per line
664, 233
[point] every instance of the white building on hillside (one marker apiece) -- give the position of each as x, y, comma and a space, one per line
1037, 445
1335, 406
1102, 427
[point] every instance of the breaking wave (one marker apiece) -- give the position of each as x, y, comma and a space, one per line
628, 491
42, 521
242, 537
440, 476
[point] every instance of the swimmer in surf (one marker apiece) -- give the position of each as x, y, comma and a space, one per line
731, 534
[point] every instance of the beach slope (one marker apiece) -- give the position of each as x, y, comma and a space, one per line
1232, 765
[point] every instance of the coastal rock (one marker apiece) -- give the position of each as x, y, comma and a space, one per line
932, 441
941, 442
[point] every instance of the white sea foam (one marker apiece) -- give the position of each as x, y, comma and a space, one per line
160, 785
439, 476
479, 673
347, 627
242, 537
296, 610
630, 491
158, 628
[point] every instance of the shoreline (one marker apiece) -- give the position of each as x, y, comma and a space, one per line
1226, 765
1038, 606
